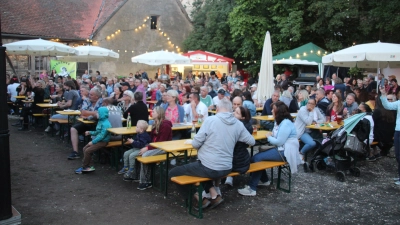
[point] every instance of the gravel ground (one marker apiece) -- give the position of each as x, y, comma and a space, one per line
45, 190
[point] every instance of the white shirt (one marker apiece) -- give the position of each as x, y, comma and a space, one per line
216, 100
201, 107
12, 90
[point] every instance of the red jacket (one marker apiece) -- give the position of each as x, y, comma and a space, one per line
164, 133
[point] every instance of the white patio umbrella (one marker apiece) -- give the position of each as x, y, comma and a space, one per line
158, 58
39, 47
91, 54
372, 55
266, 79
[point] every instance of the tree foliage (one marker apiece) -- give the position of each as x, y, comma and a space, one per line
237, 28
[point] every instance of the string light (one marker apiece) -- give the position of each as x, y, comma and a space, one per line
136, 29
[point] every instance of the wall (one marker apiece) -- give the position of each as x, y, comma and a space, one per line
172, 20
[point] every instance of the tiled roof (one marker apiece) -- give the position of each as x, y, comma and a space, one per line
68, 19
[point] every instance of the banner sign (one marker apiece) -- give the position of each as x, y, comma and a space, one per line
63, 69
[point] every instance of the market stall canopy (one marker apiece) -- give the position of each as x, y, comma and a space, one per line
158, 58
91, 54
372, 55
295, 62
309, 52
39, 47
202, 56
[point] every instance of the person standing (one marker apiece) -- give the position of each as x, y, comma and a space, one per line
394, 106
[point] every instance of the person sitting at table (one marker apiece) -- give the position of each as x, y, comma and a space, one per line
288, 99
58, 94
335, 109
142, 139
50, 89
220, 95
117, 95
350, 105
88, 110
373, 153
306, 116
284, 136
100, 139
322, 101
25, 88
267, 110
198, 108
248, 103
205, 98
161, 130
173, 111
138, 110
31, 108
215, 142
127, 100
162, 88
302, 98
70, 101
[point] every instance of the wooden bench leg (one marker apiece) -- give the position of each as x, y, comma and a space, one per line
285, 171
199, 189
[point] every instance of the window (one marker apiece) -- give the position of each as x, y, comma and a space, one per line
153, 25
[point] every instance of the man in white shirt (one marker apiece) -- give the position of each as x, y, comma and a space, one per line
12, 88
198, 108
219, 97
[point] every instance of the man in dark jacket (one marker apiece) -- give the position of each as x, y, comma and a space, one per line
138, 111
322, 101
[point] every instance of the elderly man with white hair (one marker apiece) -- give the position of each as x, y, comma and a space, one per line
215, 142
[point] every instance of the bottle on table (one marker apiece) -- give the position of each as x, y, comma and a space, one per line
193, 132
200, 119
63, 100
128, 121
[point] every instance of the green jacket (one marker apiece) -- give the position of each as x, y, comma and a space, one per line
101, 133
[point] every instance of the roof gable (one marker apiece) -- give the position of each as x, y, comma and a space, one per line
67, 19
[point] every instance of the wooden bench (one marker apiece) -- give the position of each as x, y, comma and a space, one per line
115, 156
283, 167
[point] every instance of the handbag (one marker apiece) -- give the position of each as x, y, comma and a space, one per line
354, 145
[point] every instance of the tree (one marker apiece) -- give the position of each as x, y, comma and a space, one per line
211, 31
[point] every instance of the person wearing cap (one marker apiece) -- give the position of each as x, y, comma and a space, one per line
395, 87
253, 91
219, 97
124, 86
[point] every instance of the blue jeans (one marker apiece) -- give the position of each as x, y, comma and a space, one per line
309, 143
270, 155
58, 116
397, 149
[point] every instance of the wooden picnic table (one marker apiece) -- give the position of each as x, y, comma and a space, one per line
325, 126
20, 97
151, 102
264, 118
47, 105
28, 101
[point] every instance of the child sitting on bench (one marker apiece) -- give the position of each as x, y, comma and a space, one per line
142, 139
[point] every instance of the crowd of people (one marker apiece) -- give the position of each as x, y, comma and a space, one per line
221, 137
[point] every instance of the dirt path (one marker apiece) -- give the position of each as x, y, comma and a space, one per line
45, 190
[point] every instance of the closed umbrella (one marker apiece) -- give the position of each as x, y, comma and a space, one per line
352, 121
158, 58
266, 80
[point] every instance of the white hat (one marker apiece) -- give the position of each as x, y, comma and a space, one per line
253, 85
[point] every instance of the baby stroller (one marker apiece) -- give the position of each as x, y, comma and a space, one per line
332, 155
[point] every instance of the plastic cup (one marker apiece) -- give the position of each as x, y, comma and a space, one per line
254, 129
324, 135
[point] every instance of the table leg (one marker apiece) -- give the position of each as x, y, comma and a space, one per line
251, 151
166, 176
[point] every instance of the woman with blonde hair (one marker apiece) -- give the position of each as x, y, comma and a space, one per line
302, 98
161, 131
173, 111
127, 100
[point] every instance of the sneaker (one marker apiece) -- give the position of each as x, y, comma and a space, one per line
247, 191
48, 129
397, 182
371, 159
229, 181
216, 202
123, 170
206, 195
144, 186
73, 155
218, 191
205, 204
264, 184
79, 170
88, 169
130, 179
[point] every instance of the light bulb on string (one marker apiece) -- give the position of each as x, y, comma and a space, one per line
126, 51
112, 35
